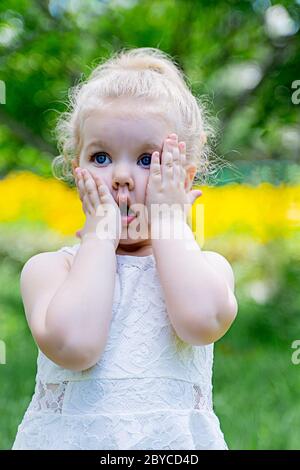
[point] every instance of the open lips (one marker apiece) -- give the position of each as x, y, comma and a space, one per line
125, 209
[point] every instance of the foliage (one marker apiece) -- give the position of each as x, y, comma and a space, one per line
241, 56
263, 211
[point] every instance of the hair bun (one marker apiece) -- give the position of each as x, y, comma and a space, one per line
142, 63
149, 58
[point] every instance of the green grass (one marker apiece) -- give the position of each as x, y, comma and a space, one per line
256, 385
257, 397
17, 374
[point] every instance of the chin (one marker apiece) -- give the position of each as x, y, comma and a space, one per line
130, 241
126, 238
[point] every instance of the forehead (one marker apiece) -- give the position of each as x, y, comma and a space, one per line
128, 121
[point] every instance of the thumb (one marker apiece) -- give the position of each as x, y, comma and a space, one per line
78, 233
195, 194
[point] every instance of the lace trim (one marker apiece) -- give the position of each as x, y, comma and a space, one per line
200, 399
143, 394
49, 397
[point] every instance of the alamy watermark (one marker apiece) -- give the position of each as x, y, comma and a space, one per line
2, 92
167, 222
2, 352
296, 354
296, 95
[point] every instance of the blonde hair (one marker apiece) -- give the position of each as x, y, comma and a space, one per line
142, 73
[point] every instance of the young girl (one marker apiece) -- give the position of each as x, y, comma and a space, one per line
125, 321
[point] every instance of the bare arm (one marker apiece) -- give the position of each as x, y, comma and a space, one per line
198, 288
69, 310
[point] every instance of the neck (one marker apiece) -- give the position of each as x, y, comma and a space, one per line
137, 250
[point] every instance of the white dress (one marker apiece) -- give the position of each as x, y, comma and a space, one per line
149, 390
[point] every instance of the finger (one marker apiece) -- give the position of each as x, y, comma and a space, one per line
155, 168
92, 191
86, 196
182, 150
167, 162
101, 187
81, 189
87, 207
80, 185
104, 193
177, 164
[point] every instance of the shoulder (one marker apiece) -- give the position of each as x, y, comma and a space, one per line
46, 259
222, 265
43, 268
40, 276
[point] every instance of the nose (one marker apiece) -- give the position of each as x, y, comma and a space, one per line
122, 177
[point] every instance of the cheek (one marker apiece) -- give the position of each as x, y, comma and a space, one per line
103, 175
144, 183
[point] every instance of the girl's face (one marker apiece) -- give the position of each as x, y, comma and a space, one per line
117, 143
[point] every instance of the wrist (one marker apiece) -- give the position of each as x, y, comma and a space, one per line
168, 215
91, 237
171, 227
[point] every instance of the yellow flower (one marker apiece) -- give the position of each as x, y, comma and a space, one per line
263, 212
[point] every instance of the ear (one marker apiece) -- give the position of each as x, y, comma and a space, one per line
191, 170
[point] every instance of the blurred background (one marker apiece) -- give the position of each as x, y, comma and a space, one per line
243, 56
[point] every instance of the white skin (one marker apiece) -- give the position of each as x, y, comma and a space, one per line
123, 163
201, 309
70, 330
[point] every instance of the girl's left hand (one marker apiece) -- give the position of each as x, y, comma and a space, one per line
167, 181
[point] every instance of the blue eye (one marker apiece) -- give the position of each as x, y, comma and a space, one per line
148, 159
101, 154
99, 158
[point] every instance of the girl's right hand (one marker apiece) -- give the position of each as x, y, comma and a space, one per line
103, 216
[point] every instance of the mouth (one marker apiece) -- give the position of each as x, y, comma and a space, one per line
127, 214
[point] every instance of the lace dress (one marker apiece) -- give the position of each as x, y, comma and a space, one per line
149, 390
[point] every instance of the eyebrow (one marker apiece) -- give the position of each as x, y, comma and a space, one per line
103, 144
96, 143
